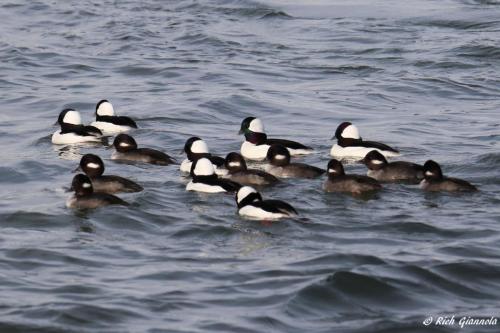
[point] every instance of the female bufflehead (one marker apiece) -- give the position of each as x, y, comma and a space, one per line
338, 181
93, 167
351, 145
279, 157
237, 171
204, 179
108, 123
435, 181
72, 130
256, 145
399, 171
250, 204
196, 148
85, 198
126, 149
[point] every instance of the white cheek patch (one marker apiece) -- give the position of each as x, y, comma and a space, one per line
244, 192
234, 164
428, 173
86, 185
199, 147
256, 125
106, 109
204, 167
124, 144
332, 171
280, 157
72, 117
93, 165
350, 132
378, 162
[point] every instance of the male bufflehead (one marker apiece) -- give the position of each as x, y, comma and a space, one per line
72, 130
196, 148
280, 166
126, 149
108, 123
204, 179
237, 171
93, 166
399, 171
256, 142
351, 145
250, 204
85, 198
338, 181
435, 181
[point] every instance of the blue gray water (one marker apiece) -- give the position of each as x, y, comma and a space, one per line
423, 76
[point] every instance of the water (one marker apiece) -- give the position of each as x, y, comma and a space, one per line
423, 76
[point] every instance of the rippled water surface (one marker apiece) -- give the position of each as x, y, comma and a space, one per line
423, 76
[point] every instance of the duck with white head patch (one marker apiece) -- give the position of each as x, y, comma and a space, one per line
250, 204
93, 166
195, 148
205, 180
238, 172
280, 166
338, 181
86, 198
108, 122
351, 145
435, 181
126, 150
256, 142
72, 131
391, 172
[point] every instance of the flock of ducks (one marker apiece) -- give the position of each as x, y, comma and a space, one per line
214, 174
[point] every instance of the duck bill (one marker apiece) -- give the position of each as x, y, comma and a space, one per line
240, 132
78, 168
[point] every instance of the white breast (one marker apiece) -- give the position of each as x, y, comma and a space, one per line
259, 213
201, 187
71, 138
109, 128
186, 166
71, 202
346, 152
254, 152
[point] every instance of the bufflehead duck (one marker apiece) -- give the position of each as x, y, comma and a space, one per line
93, 167
72, 130
250, 204
126, 149
196, 148
280, 166
85, 198
204, 179
435, 181
399, 171
237, 171
256, 142
108, 123
338, 181
351, 145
